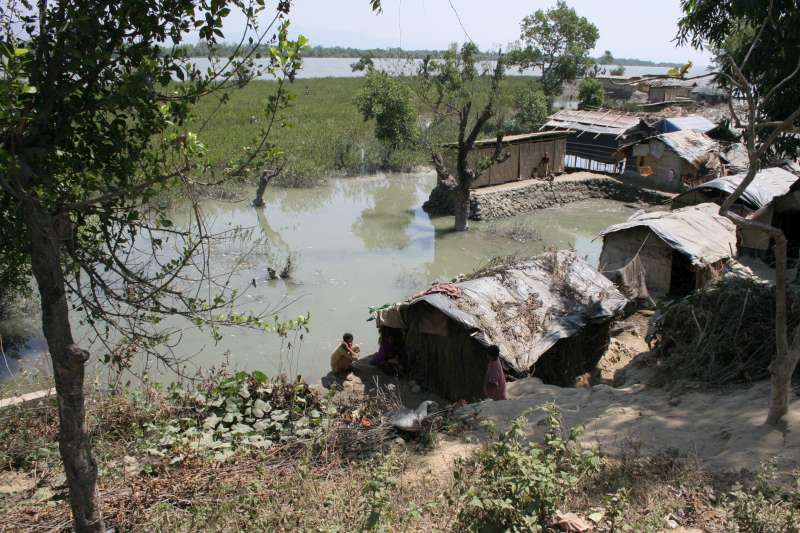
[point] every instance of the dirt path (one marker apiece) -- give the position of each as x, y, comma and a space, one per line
725, 429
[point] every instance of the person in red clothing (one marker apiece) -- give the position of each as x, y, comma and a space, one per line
495, 387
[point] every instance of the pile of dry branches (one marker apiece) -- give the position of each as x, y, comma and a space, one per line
720, 335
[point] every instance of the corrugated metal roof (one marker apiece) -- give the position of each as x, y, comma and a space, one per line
608, 122
520, 137
693, 146
737, 158
672, 82
767, 184
691, 122
697, 231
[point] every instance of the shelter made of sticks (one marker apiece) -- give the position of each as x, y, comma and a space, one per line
549, 315
668, 253
530, 155
596, 136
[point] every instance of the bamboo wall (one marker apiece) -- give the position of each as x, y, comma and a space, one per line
525, 161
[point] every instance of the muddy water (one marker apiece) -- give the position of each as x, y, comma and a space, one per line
356, 243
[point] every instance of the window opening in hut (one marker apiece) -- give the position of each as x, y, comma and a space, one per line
682, 276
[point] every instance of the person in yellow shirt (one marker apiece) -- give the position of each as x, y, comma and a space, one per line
345, 355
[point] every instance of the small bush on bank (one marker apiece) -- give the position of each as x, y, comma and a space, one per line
517, 485
764, 507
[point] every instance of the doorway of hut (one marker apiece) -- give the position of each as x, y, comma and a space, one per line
682, 276
570, 359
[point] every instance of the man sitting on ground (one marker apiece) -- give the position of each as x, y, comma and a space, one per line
345, 355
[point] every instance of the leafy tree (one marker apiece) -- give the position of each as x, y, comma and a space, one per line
557, 41
618, 71
92, 129
728, 27
606, 58
365, 62
591, 93
531, 108
390, 102
758, 47
680, 72
458, 99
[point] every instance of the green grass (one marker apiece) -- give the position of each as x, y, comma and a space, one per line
322, 133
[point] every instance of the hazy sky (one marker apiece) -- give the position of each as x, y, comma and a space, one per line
629, 28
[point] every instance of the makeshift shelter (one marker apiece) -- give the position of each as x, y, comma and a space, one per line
689, 122
677, 251
595, 136
673, 161
549, 316
768, 184
530, 155
708, 94
670, 90
782, 212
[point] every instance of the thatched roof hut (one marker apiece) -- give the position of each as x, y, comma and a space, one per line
549, 316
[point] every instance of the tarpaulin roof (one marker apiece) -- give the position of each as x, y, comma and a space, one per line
691, 122
693, 146
698, 231
767, 184
528, 306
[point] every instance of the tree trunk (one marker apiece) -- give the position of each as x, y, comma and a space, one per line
781, 372
263, 180
785, 361
461, 208
68, 369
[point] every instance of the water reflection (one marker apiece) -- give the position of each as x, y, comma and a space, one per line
356, 243
385, 225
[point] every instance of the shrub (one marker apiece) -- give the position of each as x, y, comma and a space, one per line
516, 485
763, 508
532, 108
591, 93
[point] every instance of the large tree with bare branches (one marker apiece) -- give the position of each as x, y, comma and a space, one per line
462, 102
758, 50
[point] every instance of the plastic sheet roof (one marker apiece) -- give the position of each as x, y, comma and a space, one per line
698, 231
691, 122
767, 184
526, 307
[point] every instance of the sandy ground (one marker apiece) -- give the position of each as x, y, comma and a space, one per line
724, 429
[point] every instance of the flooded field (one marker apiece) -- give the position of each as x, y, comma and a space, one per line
354, 243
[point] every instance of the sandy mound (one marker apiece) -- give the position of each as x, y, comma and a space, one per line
726, 429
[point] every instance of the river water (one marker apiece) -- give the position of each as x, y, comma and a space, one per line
339, 67
355, 242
